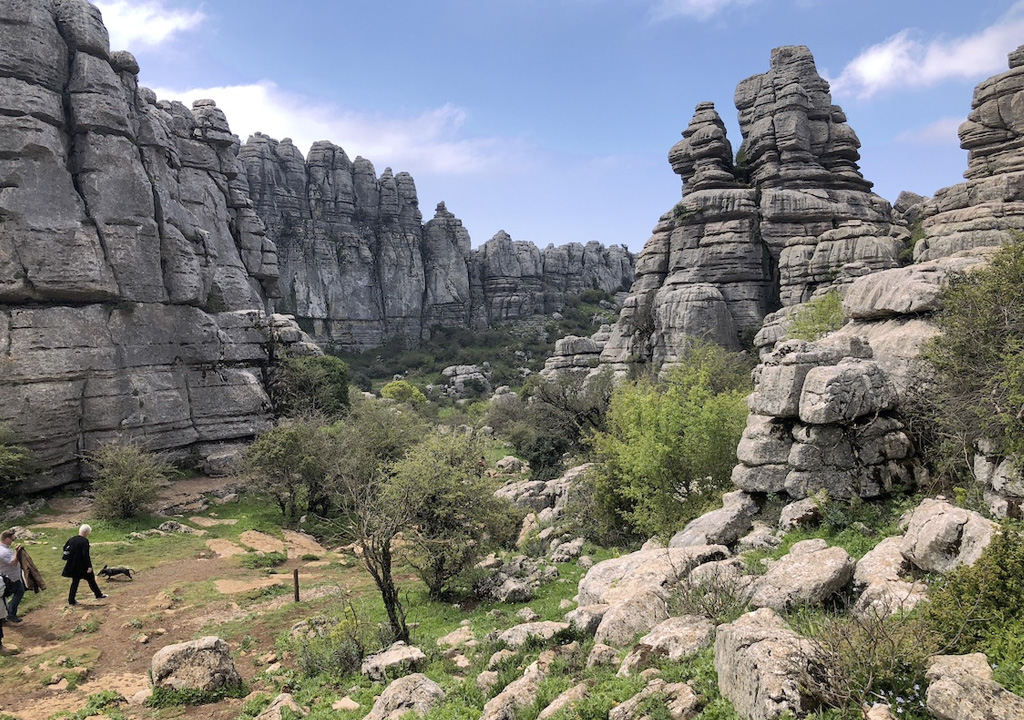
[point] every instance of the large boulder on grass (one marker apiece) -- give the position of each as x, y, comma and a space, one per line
762, 665
414, 693
810, 574
519, 635
719, 527
398, 659
631, 617
204, 665
674, 639
941, 536
678, 699
961, 688
658, 570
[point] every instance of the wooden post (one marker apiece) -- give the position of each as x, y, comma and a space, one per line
295, 579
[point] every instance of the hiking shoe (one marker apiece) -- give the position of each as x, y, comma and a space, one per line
102, 597
13, 619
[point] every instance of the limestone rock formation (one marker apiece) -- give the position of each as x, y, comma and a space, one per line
204, 664
134, 272
359, 266
768, 230
982, 210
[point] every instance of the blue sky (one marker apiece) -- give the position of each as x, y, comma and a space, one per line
552, 119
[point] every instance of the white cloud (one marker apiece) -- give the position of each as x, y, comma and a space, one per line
941, 132
433, 141
904, 61
697, 9
144, 23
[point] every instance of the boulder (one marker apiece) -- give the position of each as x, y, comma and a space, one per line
519, 693
679, 699
565, 700
889, 597
802, 513
719, 527
602, 654
960, 687
673, 639
414, 693
883, 563
616, 579
587, 618
941, 536
517, 636
400, 658
761, 666
630, 617
844, 392
276, 709
204, 664
811, 573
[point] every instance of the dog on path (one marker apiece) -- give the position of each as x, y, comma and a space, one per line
109, 572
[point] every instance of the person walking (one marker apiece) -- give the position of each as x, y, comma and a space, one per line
78, 564
10, 573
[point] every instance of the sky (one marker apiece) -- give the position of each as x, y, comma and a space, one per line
552, 119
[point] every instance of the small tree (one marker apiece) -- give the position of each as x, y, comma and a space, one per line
671, 444
294, 463
452, 514
817, 317
128, 479
403, 391
313, 384
16, 461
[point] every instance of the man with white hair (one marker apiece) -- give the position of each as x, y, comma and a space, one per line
78, 564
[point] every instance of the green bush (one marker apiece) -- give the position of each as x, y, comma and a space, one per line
311, 385
336, 652
816, 318
262, 561
16, 461
978, 359
979, 608
670, 445
403, 391
128, 479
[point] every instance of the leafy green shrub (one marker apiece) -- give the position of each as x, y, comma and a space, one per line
164, 697
978, 359
128, 479
453, 515
978, 608
261, 561
718, 600
817, 317
403, 391
311, 385
16, 461
337, 652
670, 445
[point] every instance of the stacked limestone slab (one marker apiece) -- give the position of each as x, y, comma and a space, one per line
359, 266
767, 231
980, 211
133, 268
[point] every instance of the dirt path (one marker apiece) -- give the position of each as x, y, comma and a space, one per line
109, 644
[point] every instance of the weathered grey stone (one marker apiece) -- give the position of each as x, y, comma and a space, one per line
204, 664
587, 618
960, 687
275, 711
617, 579
516, 637
941, 537
719, 527
761, 665
681, 702
890, 597
399, 658
414, 693
630, 617
883, 563
844, 392
521, 692
565, 700
808, 575
602, 654
801, 513
673, 639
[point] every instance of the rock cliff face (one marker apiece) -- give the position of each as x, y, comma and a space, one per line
767, 232
133, 268
358, 266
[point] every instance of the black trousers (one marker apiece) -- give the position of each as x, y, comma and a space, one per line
91, 579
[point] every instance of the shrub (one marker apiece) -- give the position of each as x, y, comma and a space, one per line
816, 318
16, 461
338, 651
978, 607
670, 445
858, 660
311, 385
403, 391
979, 364
128, 479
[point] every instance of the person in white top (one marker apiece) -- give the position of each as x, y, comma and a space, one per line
10, 569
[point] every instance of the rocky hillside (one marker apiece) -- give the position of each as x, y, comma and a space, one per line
359, 266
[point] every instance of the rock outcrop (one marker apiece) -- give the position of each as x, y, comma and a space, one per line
134, 271
204, 664
359, 266
770, 229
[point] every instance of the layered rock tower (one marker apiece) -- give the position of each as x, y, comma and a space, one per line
767, 230
359, 266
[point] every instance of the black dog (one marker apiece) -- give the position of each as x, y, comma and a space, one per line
110, 572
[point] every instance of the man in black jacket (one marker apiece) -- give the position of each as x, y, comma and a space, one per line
78, 564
